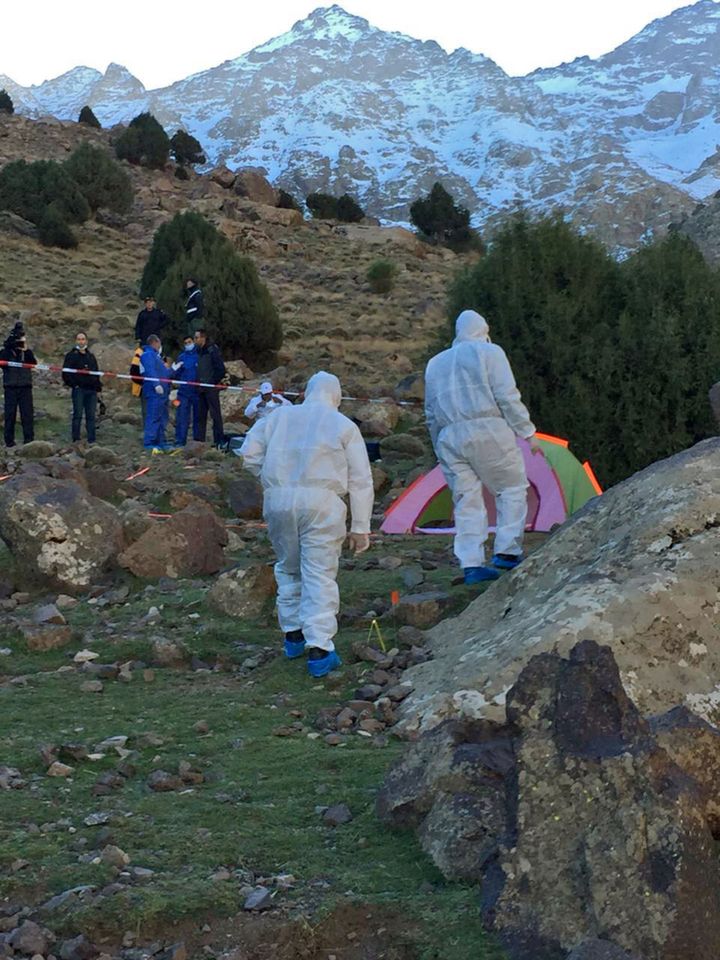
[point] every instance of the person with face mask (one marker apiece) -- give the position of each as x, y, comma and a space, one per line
17, 386
474, 412
265, 402
309, 457
185, 369
84, 386
156, 390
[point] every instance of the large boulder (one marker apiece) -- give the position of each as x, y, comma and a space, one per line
58, 533
189, 544
242, 592
581, 820
378, 419
253, 185
637, 568
245, 497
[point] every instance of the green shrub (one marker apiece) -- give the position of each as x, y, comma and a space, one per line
240, 314
88, 118
322, 206
442, 221
28, 189
173, 239
349, 210
102, 181
144, 143
618, 358
53, 231
185, 149
6, 104
381, 276
181, 173
287, 201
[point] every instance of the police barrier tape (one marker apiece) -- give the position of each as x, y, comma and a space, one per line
54, 368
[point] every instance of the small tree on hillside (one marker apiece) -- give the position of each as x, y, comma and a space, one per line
28, 189
185, 149
88, 118
53, 231
349, 210
6, 104
322, 206
440, 220
144, 143
381, 275
178, 236
241, 315
102, 181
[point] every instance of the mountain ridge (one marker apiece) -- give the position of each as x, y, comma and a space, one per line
624, 144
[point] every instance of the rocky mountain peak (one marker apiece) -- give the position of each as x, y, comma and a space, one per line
626, 143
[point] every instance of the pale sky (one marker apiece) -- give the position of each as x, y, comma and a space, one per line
160, 41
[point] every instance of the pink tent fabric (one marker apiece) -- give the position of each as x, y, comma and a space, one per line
546, 504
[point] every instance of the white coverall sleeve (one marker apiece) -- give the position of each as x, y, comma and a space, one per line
507, 395
283, 400
430, 407
360, 483
254, 447
251, 408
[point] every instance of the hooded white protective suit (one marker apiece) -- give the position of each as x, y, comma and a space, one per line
307, 458
474, 411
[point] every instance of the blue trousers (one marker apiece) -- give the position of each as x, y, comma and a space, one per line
188, 410
84, 401
156, 417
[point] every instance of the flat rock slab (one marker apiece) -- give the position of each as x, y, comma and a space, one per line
637, 568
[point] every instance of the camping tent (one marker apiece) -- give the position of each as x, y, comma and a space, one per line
558, 486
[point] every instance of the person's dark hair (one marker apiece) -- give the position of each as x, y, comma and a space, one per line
202, 331
153, 338
148, 297
81, 333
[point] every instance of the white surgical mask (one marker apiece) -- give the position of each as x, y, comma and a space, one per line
189, 346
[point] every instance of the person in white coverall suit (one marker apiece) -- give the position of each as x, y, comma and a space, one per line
308, 457
474, 413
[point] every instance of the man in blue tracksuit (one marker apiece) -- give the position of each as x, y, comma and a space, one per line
186, 370
155, 394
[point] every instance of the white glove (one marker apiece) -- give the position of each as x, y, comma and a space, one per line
159, 390
177, 366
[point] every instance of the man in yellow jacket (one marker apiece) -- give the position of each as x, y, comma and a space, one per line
136, 383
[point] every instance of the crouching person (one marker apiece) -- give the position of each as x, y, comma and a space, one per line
308, 457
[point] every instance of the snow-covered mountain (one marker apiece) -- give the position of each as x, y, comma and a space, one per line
624, 143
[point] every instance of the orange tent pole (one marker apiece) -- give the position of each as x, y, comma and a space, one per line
592, 478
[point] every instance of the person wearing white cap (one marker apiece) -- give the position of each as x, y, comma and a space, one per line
265, 402
474, 412
309, 457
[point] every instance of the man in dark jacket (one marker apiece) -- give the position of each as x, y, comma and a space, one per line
150, 320
194, 306
210, 369
84, 386
17, 385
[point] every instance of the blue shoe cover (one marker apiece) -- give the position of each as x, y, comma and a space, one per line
323, 666
479, 574
294, 649
502, 563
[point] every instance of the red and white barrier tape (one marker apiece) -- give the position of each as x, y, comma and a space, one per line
53, 368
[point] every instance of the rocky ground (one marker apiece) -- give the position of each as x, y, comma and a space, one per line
170, 784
